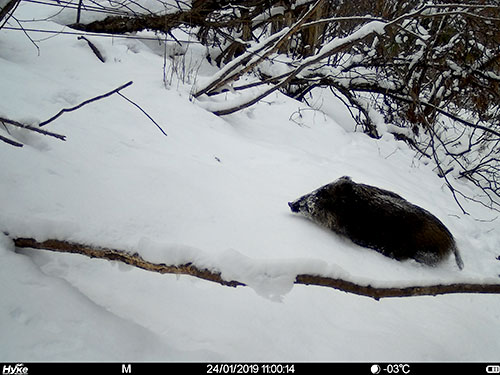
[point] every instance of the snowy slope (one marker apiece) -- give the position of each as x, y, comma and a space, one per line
213, 192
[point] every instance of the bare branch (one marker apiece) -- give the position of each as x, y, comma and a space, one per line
88, 101
412, 291
143, 111
31, 128
10, 141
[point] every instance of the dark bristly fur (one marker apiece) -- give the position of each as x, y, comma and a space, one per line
380, 220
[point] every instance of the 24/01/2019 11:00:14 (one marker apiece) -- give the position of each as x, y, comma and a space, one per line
232, 368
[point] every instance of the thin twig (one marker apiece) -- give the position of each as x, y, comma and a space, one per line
64, 110
143, 111
27, 35
10, 141
31, 128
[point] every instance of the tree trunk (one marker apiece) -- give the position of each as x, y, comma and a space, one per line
6, 6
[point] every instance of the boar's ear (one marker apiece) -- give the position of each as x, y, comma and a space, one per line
342, 189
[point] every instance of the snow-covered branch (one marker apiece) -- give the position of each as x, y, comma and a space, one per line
5, 121
242, 65
191, 269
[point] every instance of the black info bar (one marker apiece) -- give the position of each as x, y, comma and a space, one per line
220, 368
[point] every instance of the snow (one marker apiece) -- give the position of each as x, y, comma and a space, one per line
213, 192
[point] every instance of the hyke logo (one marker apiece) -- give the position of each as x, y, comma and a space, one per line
18, 369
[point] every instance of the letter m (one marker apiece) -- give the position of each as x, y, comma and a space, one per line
127, 369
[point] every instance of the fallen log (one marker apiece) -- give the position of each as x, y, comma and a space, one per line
214, 276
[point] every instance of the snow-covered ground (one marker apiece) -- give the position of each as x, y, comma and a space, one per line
213, 192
